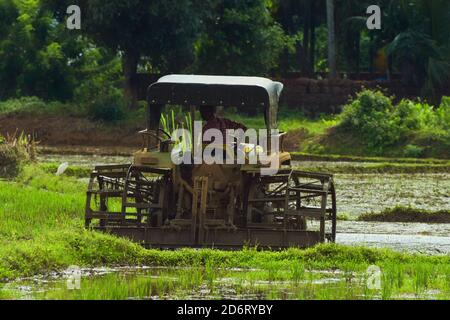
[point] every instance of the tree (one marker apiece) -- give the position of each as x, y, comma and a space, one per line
419, 43
240, 38
34, 53
161, 32
299, 19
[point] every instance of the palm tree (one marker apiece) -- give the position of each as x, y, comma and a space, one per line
420, 47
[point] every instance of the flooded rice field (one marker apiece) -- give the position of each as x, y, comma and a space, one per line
214, 283
356, 193
362, 193
84, 160
425, 238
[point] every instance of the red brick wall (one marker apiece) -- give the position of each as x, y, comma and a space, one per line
327, 96
317, 96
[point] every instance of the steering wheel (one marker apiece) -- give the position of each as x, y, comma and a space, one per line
155, 135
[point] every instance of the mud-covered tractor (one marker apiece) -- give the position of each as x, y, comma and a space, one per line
161, 204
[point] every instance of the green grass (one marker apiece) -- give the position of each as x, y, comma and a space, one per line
405, 214
289, 274
36, 106
41, 230
71, 171
299, 156
288, 120
381, 168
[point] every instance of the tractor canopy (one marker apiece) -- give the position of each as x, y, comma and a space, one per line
225, 91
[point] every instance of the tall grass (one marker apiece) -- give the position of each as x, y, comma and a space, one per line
169, 123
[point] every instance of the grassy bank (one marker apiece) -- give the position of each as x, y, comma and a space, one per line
405, 214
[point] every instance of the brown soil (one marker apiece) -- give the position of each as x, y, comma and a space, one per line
70, 131
294, 138
59, 131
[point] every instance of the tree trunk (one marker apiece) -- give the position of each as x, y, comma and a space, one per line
331, 40
312, 45
371, 52
358, 55
129, 66
306, 39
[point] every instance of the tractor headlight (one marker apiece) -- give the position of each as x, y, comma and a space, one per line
259, 149
248, 149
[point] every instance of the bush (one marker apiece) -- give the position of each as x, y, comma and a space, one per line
34, 105
108, 107
14, 151
413, 151
443, 114
381, 125
370, 116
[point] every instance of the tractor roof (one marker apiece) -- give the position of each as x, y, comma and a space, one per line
223, 91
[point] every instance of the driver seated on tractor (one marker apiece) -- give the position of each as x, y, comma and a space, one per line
209, 115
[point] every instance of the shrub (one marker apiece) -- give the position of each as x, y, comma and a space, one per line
34, 105
21, 104
14, 151
443, 114
381, 125
413, 151
370, 116
108, 107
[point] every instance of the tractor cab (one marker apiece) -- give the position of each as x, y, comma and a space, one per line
206, 94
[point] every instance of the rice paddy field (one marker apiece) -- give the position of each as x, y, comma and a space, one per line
357, 192
210, 282
42, 234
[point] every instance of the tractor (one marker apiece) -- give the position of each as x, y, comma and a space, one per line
160, 203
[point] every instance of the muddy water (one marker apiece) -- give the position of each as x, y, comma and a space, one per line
203, 283
430, 245
432, 239
356, 193
84, 160
360, 193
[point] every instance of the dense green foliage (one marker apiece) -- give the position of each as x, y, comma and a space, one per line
419, 42
40, 57
86, 71
240, 38
380, 124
